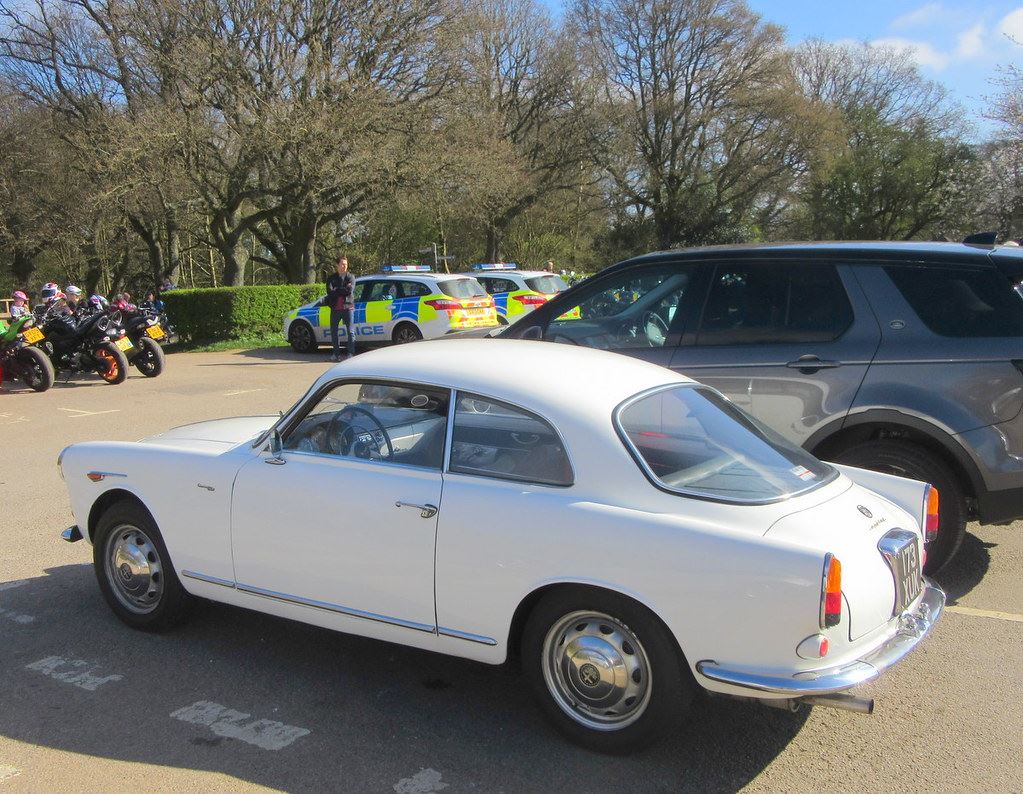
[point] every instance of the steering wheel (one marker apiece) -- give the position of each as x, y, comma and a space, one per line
343, 447
653, 318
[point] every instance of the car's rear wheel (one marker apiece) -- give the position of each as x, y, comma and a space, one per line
405, 333
134, 570
302, 338
605, 670
906, 459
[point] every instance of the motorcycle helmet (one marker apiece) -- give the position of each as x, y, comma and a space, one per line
98, 302
48, 292
18, 295
73, 291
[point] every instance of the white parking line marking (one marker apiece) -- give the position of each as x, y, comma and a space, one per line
84, 679
10, 614
16, 421
240, 391
423, 782
267, 734
985, 613
12, 585
7, 772
76, 412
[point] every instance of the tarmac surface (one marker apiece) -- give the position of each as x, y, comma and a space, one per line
234, 699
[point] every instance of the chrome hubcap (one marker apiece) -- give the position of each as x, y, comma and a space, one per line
134, 570
596, 670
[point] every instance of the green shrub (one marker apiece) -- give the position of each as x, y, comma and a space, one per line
211, 315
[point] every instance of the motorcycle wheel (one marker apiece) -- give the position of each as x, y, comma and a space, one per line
150, 360
112, 366
37, 369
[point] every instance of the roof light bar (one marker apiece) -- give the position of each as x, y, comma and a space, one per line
406, 269
495, 266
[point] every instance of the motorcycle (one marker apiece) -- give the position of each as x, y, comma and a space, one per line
145, 332
19, 356
91, 343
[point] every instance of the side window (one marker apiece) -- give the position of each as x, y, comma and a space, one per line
961, 302
493, 439
412, 289
391, 423
488, 284
635, 308
362, 290
761, 304
498, 285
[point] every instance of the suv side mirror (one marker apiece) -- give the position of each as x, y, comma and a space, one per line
534, 333
276, 448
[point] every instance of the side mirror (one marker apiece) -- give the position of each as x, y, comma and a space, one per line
534, 333
276, 448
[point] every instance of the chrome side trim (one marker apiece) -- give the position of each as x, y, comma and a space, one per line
202, 577
464, 635
913, 625
328, 607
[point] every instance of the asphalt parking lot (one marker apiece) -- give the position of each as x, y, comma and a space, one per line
235, 699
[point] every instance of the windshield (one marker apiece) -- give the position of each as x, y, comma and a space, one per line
462, 288
547, 285
691, 440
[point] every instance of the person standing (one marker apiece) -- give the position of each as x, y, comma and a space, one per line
340, 292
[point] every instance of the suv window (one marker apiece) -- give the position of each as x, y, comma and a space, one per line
493, 439
757, 304
497, 285
961, 302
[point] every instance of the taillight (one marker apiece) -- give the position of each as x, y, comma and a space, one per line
831, 592
533, 299
444, 305
931, 502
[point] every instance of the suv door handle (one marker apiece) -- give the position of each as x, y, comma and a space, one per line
810, 364
426, 511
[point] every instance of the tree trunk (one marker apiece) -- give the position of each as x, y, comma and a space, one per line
173, 263
493, 243
23, 265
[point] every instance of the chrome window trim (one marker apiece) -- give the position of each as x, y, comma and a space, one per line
497, 475
450, 434
616, 416
349, 459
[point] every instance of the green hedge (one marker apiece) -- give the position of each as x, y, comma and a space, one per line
213, 315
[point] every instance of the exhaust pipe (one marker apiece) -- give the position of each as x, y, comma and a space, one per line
840, 701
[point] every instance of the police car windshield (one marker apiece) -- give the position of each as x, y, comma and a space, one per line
462, 288
546, 284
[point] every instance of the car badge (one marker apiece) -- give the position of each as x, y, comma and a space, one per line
865, 511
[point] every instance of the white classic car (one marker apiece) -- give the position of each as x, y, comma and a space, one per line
630, 535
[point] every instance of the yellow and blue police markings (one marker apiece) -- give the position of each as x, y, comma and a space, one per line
512, 304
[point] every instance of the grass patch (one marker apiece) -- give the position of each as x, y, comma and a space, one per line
236, 343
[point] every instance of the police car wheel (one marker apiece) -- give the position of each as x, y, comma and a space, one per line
405, 333
302, 338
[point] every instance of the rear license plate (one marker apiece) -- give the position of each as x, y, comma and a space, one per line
33, 335
124, 343
899, 548
155, 332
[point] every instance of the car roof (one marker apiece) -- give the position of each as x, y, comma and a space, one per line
847, 251
564, 383
499, 273
411, 276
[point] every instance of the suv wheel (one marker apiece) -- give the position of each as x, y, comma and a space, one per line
909, 460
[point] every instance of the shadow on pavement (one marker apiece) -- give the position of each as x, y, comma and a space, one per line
377, 713
966, 569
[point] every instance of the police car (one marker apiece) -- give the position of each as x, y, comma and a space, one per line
517, 292
403, 303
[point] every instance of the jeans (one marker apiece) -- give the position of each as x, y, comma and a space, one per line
338, 316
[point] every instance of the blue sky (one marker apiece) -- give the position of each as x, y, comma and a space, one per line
959, 44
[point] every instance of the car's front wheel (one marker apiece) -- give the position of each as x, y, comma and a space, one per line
134, 570
302, 338
604, 669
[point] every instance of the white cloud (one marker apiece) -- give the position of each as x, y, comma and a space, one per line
924, 15
922, 52
971, 43
1012, 25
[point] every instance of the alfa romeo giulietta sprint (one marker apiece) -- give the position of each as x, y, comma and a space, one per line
628, 534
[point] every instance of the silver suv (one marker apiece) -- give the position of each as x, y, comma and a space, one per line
901, 357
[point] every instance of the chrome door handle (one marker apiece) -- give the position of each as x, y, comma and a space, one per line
426, 511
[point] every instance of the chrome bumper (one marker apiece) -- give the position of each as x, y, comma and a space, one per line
914, 624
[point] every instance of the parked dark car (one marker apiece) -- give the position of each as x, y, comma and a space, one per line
901, 357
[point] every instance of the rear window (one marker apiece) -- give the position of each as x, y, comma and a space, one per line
548, 285
462, 288
692, 441
961, 302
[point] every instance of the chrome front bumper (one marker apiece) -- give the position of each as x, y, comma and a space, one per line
914, 624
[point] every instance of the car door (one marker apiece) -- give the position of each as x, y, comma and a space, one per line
345, 518
640, 311
790, 342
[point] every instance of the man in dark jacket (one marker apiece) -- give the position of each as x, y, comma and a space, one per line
340, 299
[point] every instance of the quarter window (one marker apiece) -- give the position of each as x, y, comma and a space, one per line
383, 422
494, 439
961, 302
761, 304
